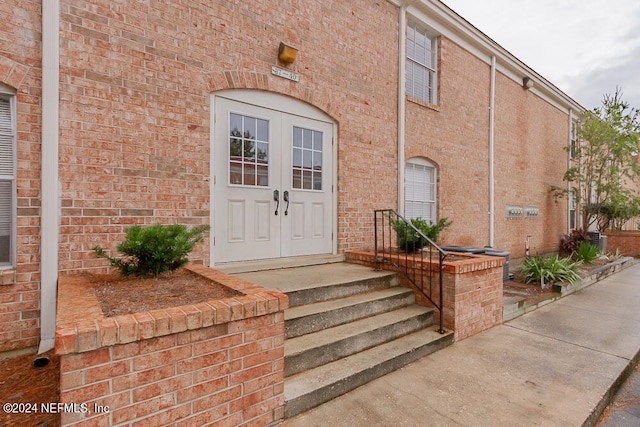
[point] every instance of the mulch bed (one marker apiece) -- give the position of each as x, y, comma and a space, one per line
22, 383
125, 295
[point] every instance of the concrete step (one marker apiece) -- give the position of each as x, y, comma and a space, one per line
346, 325
325, 346
311, 284
311, 388
315, 317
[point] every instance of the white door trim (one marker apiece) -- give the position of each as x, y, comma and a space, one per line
280, 103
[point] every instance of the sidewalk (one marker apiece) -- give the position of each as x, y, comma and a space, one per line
556, 366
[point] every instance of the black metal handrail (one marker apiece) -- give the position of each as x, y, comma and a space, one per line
386, 224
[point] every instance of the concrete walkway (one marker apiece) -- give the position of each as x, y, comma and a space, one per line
556, 366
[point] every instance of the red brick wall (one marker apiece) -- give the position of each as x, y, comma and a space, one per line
136, 85
477, 297
20, 70
530, 138
530, 135
471, 289
218, 360
627, 242
223, 373
136, 80
455, 136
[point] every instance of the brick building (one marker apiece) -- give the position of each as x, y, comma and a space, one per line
121, 113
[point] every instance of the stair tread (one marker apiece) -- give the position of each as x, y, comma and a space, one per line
306, 342
335, 304
308, 381
303, 278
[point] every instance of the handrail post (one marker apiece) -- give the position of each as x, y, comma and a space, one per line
441, 268
375, 238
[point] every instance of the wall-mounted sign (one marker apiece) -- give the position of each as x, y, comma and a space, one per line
285, 74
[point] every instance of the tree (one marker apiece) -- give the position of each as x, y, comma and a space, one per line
604, 167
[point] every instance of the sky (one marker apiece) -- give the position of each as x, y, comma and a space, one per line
586, 48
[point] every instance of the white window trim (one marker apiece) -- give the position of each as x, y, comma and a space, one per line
10, 95
573, 139
422, 162
573, 211
431, 70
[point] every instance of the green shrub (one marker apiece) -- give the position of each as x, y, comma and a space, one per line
587, 252
547, 270
156, 249
409, 240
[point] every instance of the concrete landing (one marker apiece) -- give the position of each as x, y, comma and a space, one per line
310, 277
556, 366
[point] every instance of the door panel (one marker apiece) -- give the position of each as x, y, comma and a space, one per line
263, 221
236, 225
246, 162
308, 172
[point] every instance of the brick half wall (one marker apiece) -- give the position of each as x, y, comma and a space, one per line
627, 242
472, 290
219, 361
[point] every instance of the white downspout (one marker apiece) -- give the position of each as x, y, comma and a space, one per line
492, 117
402, 65
49, 176
569, 183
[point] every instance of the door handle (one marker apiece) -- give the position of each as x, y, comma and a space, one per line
276, 197
286, 199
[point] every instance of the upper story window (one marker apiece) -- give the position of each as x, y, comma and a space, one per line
420, 189
421, 64
574, 139
7, 176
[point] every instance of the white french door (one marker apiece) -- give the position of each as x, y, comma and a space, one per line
273, 175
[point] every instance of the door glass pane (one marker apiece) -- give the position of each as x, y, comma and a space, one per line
317, 160
307, 138
306, 180
249, 174
235, 124
307, 159
317, 141
297, 137
262, 132
248, 150
297, 157
297, 178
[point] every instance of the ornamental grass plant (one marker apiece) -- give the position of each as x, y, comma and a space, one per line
548, 270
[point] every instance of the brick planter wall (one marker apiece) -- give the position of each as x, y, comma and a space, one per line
220, 360
627, 242
472, 290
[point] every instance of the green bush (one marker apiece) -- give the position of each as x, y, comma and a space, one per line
587, 252
156, 249
409, 240
547, 270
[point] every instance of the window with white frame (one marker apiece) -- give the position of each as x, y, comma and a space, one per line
420, 189
421, 63
574, 139
572, 210
7, 175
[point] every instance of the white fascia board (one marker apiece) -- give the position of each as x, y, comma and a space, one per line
444, 21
